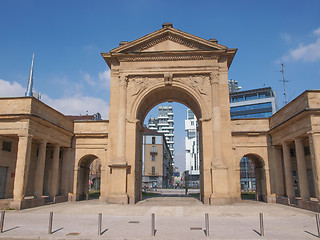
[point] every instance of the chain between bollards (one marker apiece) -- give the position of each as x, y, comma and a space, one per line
261, 225
50, 223
99, 223
153, 224
2, 221
318, 223
206, 220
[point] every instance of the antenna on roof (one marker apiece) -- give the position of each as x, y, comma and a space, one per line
30, 81
284, 85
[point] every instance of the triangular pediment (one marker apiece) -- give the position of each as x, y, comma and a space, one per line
166, 45
168, 39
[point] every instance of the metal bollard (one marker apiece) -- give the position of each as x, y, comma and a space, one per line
50, 223
153, 224
99, 223
206, 220
2, 221
261, 225
318, 223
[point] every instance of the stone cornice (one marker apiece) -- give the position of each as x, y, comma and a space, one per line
34, 117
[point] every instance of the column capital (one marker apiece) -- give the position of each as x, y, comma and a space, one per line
25, 135
285, 143
123, 81
276, 147
55, 145
43, 141
214, 78
298, 139
312, 133
66, 149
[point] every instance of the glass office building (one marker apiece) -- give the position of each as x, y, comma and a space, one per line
256, 103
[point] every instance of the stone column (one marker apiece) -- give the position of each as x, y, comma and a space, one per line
121, 136
54, 172
216, 121
314, 142
302, 170
76, 176
119, 166
219, 170
22, 169
288, 171
39, 175
65, 171
278, 171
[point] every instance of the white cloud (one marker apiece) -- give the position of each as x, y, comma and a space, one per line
317, 31
72, 105
104, 78
305, 52
88, 79
8, 89
78, 104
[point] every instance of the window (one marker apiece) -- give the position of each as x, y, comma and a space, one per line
153, 158
153, 170
190, 114
153, 149
191, 134
6, 146
192, 123
153, 140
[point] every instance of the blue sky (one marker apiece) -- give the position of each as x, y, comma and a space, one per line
68, 37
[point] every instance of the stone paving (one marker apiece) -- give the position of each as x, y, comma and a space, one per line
176, 218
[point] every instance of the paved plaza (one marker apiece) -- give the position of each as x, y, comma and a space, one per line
176, 218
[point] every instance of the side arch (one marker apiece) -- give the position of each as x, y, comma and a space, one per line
260, 175
81, 181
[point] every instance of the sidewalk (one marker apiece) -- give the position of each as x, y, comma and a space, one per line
176, 218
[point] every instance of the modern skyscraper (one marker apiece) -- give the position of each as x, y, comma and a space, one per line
164, 123
233, 86
192, 148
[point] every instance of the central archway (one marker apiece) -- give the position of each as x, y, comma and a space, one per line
151, 99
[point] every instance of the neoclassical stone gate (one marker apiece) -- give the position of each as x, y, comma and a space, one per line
47, 155
169, 65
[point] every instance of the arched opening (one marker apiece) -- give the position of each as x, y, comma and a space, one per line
154, 112
89, 177
253, 178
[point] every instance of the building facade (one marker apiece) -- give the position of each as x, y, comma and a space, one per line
164, 123
192, 149
157, 161
255, 103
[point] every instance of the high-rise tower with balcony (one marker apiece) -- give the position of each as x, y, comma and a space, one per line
164, 123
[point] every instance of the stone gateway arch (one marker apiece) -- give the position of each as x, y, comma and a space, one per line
45, 156
169, 65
